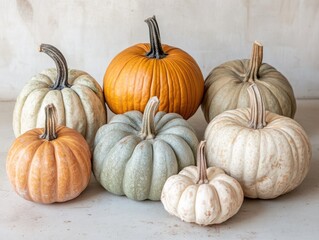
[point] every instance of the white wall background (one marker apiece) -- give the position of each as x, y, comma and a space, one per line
91, 32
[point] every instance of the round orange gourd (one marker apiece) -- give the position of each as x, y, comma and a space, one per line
50, 164
145, 70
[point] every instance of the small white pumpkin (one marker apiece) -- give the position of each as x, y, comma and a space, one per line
200, 195
267, 153
77, 96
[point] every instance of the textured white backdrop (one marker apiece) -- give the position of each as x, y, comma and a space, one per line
91, 33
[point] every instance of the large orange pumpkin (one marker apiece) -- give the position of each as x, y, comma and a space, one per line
50, 164
145, 70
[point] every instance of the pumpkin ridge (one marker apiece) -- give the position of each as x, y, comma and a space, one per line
293, 164
80, 169
180, 195
34, 146
113, 81
94, 87
39, 95
67, 189
106, 159
189, 140
134, 117
304, 139
183, 89
274, 97
178, 207
188, 173
219, 210
232, 151
74, 146
243, 87
234, 192
70, 110
181, 163
136, 181
88, 110
283, 91
172, 122
38, 155
132, 67
171, 86
211, 97
162, 119
274, 177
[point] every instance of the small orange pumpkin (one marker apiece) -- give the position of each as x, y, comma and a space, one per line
145, 70
50, 164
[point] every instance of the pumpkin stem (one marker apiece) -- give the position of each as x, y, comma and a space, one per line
155, 39
50, 123
201, 163
148, 124
257, 108
61, 66
255, 63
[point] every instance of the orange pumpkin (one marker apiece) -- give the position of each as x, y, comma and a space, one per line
50, 164
145, 70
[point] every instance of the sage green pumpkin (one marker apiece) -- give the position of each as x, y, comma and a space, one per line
226, 86
77, 96
135, 153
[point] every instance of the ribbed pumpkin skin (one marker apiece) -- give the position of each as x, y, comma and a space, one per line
126, 164
49, 171
205, 204
267, 162
226, 90
132, 78
80, 107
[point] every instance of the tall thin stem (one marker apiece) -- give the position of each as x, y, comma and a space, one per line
257, 108
50, 123
148, 123
61, 66
156, 50
201, 163
255, 63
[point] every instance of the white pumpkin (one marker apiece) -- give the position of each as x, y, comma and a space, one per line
200, 195
267, 153
77, 96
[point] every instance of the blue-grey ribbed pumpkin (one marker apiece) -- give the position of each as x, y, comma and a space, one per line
135, 153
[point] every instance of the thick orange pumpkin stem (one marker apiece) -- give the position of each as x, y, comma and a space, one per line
148, 124
156, 50
50, 123
257, 108
201, 163
255, 63
61, 66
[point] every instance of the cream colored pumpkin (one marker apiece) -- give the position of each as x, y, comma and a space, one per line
77, 96
135, 153
226, 86
200, 195
267, 153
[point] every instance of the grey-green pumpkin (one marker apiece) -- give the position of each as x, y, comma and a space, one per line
77, 96
226, 86
135, 153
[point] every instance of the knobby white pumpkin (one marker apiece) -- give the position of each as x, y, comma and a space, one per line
267, 153
200, 195
77, 96
135, 153
226, 86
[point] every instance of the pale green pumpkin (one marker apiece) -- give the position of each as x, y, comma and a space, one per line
77, 96
135, 153
226, 86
